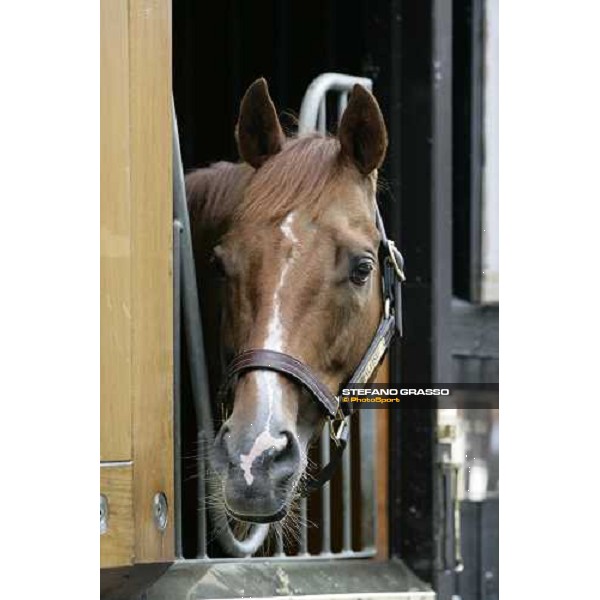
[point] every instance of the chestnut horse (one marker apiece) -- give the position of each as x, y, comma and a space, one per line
286, 249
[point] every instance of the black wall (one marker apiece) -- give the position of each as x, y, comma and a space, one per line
219, 48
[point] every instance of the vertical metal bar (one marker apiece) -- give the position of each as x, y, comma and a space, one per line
322, 120
347, 496
202, 531
279, 549
440, 182
192, 328
303, 546
368, 505
441, 189
342, 103
346, 462
325, 496
177, 381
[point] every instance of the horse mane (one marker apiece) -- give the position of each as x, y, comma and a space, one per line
213, 192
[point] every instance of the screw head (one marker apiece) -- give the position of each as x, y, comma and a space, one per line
160, 510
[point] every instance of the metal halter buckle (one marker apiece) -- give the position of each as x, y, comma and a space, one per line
386, 308
392, 255
342, 419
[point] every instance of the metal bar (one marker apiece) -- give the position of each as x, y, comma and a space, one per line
322, 118
177, 382
342, 103
441, 190
303, 545
441, 236
347, 495
202, 525
325, 496
279, 548
192, 324
277, 559
368, 509
318, 90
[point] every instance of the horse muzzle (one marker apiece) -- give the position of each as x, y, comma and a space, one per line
258, 483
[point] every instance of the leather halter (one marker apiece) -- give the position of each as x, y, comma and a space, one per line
392, 275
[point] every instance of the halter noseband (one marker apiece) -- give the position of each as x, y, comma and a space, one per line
392, 275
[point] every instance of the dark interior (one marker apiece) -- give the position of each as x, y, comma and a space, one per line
219, 48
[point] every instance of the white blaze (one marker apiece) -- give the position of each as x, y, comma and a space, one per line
274, 339
267, 382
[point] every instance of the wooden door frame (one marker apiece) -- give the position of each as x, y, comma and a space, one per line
136, 285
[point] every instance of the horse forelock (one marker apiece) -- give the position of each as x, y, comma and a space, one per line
296, 177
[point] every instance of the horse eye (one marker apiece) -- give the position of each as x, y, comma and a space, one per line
361, 271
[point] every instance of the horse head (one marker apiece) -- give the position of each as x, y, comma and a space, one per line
300, 270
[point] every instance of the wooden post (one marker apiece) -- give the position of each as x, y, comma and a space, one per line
136, 281
151, 272
115, 234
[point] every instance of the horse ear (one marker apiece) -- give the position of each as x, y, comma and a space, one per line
362, 132
259, 134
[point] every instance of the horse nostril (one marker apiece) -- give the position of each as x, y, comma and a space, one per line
288, 437
289, 451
